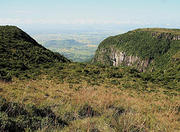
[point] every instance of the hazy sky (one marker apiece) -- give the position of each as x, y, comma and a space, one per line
90, 12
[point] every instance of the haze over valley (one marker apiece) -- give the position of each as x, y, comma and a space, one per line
79, 46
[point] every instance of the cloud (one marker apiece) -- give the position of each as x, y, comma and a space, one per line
15, 21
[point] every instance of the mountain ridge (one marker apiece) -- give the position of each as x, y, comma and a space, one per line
61, 43
19, 52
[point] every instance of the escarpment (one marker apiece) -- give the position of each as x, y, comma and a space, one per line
114, 57
142, 48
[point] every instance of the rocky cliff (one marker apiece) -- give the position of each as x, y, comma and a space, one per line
117, 58
140, 48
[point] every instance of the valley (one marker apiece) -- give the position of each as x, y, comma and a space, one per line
79, 46
41, 90
71, 49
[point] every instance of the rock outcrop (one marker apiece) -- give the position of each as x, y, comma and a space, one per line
117, 58
168, 36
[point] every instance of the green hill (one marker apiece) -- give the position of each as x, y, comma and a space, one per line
154, 50
142, 48
20, 53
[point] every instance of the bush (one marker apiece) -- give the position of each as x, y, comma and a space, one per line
5, 76
17, 117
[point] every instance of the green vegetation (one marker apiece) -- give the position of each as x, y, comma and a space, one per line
160, 30
19, 53
51, 94
18, 117
143, 44
160, 46
98, 97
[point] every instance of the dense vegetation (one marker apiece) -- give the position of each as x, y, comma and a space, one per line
160, 46
52, 95
88, 97
153, 44
18, 117
19, 52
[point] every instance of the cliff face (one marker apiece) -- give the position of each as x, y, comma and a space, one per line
121, 58
115, 57
136, 48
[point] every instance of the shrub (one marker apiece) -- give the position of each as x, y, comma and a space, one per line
17, 117
87, 111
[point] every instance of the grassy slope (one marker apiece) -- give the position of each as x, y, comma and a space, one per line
122, 97
88, 97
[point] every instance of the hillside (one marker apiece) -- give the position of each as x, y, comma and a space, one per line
153, 50
142, 48
20, 53
49, 95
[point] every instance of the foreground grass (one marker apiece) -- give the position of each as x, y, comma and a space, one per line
43, 91
109, 107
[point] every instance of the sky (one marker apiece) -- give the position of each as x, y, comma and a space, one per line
96, 14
